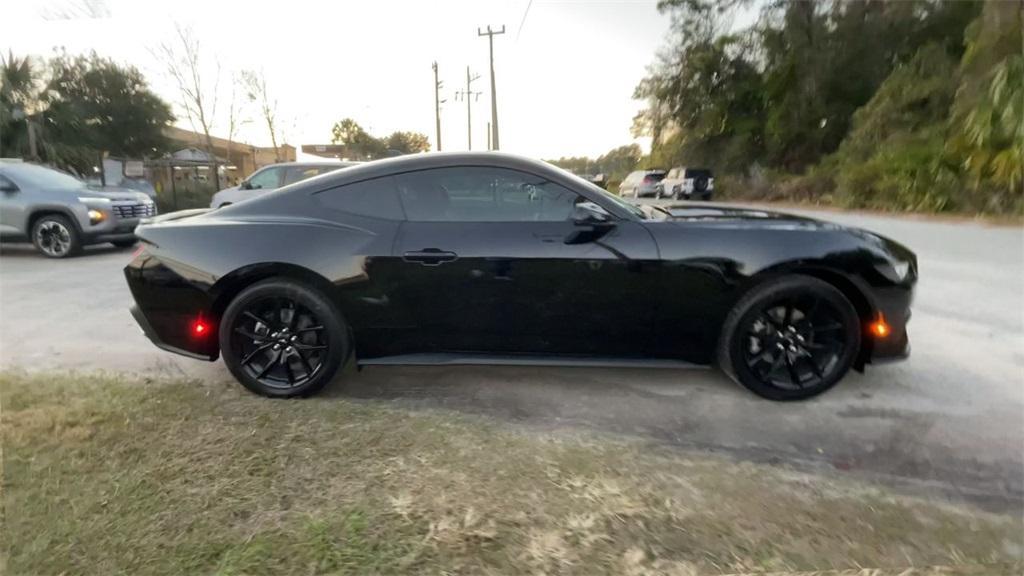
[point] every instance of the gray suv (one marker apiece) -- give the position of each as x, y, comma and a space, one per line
59, 213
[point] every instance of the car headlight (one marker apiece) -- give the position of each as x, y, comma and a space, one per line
96, 216
896, 271
94, 199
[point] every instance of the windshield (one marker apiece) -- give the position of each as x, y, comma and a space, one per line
40, 176
631, 208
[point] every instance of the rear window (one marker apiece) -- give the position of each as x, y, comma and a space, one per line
654, 177
698, 173
375, 198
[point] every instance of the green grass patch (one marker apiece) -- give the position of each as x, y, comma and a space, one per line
108, 475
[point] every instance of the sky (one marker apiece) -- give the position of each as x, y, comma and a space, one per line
565, 70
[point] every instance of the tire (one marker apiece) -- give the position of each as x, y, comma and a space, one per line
54, 236
311, 356
124, 243
790, 338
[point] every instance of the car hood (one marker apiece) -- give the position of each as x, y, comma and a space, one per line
712, 213
740, 217
114, 193
228, 189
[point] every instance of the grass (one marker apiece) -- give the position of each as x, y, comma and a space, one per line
109, 475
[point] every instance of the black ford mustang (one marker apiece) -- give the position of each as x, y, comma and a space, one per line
489, 258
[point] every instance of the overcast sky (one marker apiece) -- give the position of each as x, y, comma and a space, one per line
565, 79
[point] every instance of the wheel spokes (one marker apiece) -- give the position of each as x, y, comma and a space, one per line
287, 336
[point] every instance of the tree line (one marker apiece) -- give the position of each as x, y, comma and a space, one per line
907, 105
70, 111
361, 145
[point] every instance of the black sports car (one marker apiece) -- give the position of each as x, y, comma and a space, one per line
454, 258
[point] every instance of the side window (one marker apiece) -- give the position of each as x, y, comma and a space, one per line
374, 198
326, 169
7, 184
483, 194
293, 174
267, 179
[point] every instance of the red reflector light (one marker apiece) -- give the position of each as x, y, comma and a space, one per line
199, 328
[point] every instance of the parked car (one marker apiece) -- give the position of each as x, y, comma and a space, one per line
273, 177
641, 183
60, 214
474, 258
687, 184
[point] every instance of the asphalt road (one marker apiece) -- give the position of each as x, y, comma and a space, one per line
947, 422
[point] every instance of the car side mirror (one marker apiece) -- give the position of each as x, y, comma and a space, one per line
245, 185
590, 214
593, 222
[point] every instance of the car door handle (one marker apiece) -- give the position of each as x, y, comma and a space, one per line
429, 256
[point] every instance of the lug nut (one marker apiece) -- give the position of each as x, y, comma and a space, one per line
289, 349
277, 346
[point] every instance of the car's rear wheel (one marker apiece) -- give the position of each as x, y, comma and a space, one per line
790, 338
55, 236
282, 338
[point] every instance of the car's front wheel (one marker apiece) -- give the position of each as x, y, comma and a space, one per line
282, 338
790, 338
55, 236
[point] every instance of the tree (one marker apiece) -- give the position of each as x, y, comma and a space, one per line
358, 141
21, 90
256, 89
198, 99
407, 142
987, 131
97, 105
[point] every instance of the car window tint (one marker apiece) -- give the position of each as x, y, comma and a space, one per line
6, 182
266, 179
374, 198
294, 174
482, 194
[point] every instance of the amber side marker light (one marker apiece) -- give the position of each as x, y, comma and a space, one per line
879, 329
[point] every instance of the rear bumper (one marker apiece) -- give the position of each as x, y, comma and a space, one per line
148, 331
166, 307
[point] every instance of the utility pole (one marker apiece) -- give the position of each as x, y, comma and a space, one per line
437, 105
489, 136
469, 95
494, 96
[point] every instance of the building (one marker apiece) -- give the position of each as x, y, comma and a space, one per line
185, 178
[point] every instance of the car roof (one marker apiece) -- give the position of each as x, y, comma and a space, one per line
340, 163
425, 161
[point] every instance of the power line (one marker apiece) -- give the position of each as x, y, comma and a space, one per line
523, 21
494, 94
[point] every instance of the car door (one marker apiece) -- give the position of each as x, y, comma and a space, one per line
492, 262
12, 207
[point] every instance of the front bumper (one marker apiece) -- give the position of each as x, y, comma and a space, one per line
893, 304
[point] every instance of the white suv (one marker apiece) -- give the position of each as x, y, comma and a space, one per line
687, 184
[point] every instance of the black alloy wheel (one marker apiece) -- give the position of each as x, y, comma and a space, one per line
55, 236
790, 338
281, 338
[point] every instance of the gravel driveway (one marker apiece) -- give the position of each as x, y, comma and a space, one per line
948, 421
